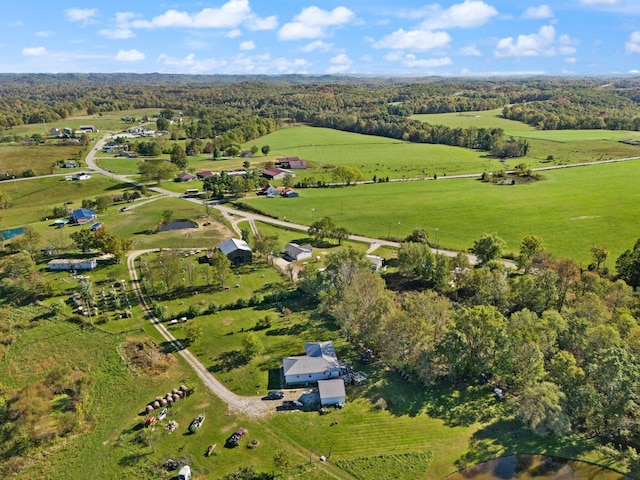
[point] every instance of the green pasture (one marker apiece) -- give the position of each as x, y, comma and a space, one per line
324, 149
15, 159
572, 210
135, 223
117, 165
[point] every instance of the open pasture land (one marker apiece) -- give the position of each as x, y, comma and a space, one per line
136, 222
566, 146
324, 149
572, 210
16, 158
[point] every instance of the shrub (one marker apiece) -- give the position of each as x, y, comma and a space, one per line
193, 311
263, 323
212, 308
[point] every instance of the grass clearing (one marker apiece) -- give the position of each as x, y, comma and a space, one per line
387, 467
572, 210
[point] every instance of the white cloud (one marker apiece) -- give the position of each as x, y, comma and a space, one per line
312, 22
341, 63
178, 62
229, 15
129, 56
82, 15
633, 44
117, 34
537, 13
470, 13
410, 60
248, 45
34, 51
417, 40
543, 43
317, 45
44, 34
470, 51
570, 60
234, 33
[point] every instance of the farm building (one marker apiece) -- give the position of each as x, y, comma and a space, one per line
82, 216
294, 163
185, 177
270, 191
289, 193
276, 173
205, 174
73, 264
82, 176
376, 261
332, 392
87, 128
293, 251
319, 363
70, 164
238, 251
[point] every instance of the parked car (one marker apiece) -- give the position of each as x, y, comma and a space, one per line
275, 395
291, 405
197, 423
185, 473
234, 439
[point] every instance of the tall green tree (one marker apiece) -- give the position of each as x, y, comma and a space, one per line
628, 265
488, 247
179, 156
531, 244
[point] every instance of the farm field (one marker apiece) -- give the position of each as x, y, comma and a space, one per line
566, 146
572, 210
41, 159
324, 149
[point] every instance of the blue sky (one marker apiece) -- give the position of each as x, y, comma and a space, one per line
402, 37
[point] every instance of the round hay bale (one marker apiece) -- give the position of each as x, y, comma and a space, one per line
181, 393
156, 404
176, 397
174, 391
163, 402
149, 408
168, 400
183, 388
158, 399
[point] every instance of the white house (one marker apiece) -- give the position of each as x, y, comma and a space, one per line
319, 363
332, 392
83, 176
376, 261
293, 251
73, 264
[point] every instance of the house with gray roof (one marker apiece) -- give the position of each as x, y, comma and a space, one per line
319, 363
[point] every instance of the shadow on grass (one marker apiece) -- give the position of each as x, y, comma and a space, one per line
274, 381
131, 460
228, 361
507, 437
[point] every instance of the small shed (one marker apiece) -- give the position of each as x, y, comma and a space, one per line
289, 193
293, 251
236, 250
376, 261
332, 392
185, 177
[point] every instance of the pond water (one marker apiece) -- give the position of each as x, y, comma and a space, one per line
178, 225
9, 234
536, 467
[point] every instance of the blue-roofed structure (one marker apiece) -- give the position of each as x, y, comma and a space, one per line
83, 215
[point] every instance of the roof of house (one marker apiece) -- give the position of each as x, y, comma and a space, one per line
274, 172
295, 249
83, 213
233, 244
297, 163
320, 357
72, 261
331, 388
186, 176
206, 174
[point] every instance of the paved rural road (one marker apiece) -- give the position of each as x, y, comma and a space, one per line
249, 406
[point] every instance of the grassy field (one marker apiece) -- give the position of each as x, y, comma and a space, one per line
15, 159
572, 210
324, 149
566, 146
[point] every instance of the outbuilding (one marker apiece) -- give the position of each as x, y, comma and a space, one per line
293, 251
332, 392
236, 250
73, 264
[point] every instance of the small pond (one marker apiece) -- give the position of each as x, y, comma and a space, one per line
178, 225
9, 234
536, 467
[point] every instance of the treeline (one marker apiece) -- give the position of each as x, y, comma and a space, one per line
563, 344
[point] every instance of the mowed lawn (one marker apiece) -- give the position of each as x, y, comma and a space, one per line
572, 210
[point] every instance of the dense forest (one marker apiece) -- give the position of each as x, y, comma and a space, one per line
370, 106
